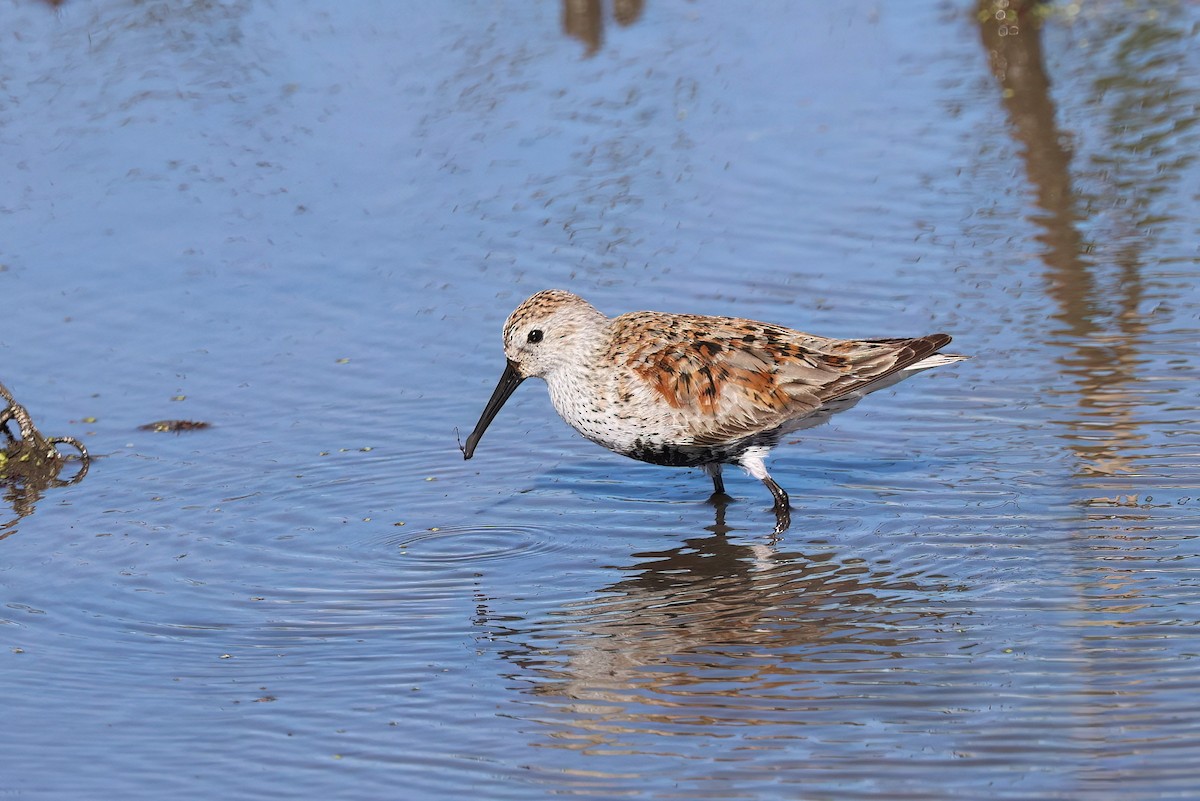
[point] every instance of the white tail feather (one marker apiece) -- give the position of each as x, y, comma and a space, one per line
936, 360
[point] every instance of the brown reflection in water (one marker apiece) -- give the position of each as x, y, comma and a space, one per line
1104, 356
715, 631
1103, 331
584, 19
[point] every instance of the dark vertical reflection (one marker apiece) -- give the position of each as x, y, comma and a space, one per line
1101, 326
627, 12
584, 19
1141, 118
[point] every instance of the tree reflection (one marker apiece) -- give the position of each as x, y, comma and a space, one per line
584, 19
1097, 220
1098, 295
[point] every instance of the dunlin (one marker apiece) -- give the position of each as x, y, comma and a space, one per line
690, 391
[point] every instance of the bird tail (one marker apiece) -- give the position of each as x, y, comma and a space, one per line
936, 360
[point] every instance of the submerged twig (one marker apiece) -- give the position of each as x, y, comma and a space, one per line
30, 462
175, 426
29, 455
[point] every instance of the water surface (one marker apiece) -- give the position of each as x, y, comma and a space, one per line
305, 225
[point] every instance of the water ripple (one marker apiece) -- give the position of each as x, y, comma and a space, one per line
458, 544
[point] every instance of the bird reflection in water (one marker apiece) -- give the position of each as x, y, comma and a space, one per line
716, 630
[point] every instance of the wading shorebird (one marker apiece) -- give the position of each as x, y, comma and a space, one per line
684, 390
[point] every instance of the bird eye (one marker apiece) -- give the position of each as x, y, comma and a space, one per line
535, 336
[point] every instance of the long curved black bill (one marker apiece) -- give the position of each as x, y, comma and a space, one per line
509, 381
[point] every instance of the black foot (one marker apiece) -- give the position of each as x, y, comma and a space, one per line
783, 520
783, 506
720, 498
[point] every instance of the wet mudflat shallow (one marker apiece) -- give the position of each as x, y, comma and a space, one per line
305, 224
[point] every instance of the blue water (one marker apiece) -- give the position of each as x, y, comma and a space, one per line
306, 223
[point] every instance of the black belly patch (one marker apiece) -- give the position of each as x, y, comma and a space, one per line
677, 455
671, 455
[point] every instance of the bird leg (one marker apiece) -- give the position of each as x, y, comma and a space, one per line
783, 507
752, 461
714, 472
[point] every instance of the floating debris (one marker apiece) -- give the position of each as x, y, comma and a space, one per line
175, 425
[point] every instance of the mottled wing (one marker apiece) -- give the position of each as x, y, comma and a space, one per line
734, 378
